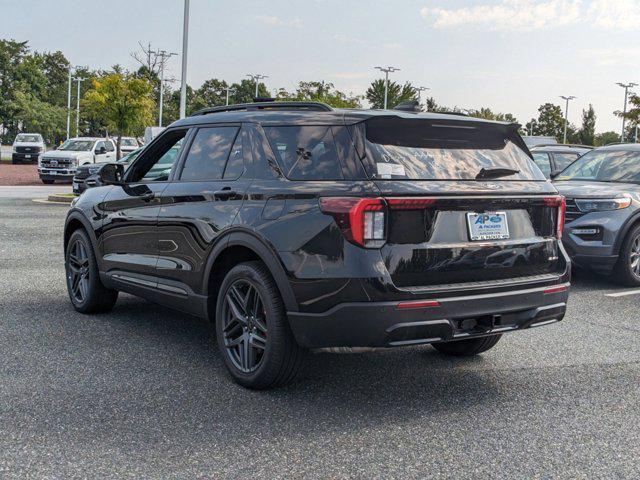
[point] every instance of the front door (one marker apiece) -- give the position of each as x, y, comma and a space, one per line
200, 204
129, 240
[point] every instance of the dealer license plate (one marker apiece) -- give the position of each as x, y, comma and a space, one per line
488, 226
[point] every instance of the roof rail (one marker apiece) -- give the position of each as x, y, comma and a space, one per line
572, 145
248, 107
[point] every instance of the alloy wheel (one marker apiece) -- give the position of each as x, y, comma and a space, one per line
244, 326
634, 256
78, 271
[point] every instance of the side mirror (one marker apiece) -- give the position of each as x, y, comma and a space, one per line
554, 174
101, 150
111, 174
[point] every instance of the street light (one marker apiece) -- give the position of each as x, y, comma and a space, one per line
387, 71
626, 87
228, 91
256, 78
164, 56
79, 80
185, 41
420, 90
566, 114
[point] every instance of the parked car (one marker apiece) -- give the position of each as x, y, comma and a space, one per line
294, 226
533, 140
602, 231
61, 164
554, 158
128, 145
27, 147
86, 175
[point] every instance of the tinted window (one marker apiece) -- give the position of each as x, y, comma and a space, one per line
157, 160
235, 164
208, 153
542, 160
306, 153
563, 160
605, 166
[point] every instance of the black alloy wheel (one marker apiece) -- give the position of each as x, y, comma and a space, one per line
78, 271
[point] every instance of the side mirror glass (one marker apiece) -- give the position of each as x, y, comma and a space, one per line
111, 174
101, 150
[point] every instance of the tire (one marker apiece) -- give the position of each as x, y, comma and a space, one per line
86, 291
252, 330
47, 182
627, 269
467, 348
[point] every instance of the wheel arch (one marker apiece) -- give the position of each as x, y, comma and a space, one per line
75, 220
240, 247
632, 222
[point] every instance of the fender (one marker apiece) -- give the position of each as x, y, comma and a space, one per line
630, 222
79, 216
266, 253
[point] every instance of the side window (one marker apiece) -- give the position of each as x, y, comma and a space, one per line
98, 146
157, 160
208, 153
306, 153
235, 163
542, 160
109, 146
563, 160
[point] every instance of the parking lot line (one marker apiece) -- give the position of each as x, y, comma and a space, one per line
623, 294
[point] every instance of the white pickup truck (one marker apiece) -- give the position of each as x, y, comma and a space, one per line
61, 164
27, 147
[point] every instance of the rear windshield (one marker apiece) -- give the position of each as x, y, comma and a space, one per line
424, 150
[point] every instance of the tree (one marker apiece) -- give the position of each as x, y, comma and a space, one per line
488, 114
606, 138
632, 116
396, 93
123, 102
211, 93
245, 91
550, 121
587, 133
35, 115
321, 91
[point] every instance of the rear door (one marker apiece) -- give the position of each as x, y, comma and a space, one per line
200, 204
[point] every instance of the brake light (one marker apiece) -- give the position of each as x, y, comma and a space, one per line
561, 204
418, 304
361, 220
410, 203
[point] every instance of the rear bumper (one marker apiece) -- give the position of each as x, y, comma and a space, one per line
382, 324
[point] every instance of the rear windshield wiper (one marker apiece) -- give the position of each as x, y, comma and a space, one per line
495, 173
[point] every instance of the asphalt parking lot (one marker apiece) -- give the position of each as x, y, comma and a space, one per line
141, 392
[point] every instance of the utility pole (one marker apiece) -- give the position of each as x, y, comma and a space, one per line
566, 114
256, 78
185, 41
420, 90
228, 90
626, 87
164, 56
387, 71
79, 80
69, 105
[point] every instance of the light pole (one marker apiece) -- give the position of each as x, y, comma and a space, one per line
256, 78
79, 80
228, 91
420, 90
626, 87
185, 41
69, 106
164, 56
566, 114
387, 71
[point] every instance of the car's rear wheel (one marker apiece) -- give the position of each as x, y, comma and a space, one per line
627, 270
469, 347
252, 330
86, 291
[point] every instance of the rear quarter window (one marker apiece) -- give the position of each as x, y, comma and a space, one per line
306, 153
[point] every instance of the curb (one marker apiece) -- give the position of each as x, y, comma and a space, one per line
60, 198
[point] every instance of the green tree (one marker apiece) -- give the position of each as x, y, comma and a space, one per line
211, 93
587, 133
322, 91
123, 102
35, 115
245, 91
606, 138
488, 114
396, 93
550, 121
632, 117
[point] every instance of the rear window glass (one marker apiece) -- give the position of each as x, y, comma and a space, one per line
306, 153
422, 150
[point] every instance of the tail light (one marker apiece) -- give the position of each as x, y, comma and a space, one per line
560, 203
363, 221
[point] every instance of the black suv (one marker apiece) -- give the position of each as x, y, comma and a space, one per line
295, 226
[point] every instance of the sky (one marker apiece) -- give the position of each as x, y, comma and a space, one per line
508, 55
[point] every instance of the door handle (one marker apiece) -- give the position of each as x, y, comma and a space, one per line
224, 194
146, 197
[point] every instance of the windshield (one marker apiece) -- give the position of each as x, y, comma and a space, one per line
130, 157
414, 163
28, 138
605, 166
77, 145
129, 142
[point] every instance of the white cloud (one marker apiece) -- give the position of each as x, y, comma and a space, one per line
346, 39
607, 57
619, 14
278, 22
508, 14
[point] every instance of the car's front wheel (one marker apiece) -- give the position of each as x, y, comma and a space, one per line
252, 330
469, 347
627, 270
86, 291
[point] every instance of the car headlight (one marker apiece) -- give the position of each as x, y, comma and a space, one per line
94, 170
587, 205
